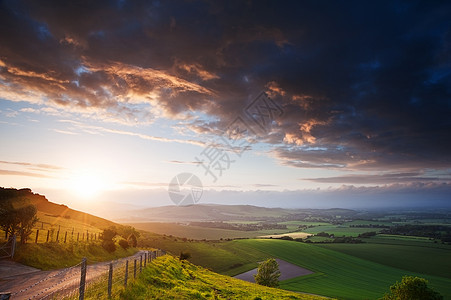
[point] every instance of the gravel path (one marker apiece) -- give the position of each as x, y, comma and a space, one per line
287, 271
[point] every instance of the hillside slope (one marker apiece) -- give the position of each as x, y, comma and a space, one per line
58, 210
169, 278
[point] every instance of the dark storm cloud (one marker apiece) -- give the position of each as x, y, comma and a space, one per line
378, 179
362, 84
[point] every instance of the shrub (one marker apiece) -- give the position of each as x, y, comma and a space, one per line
412, 288
184, 255
132, 241
109, 246
124, 244
268, 273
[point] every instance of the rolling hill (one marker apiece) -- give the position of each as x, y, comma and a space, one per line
215, 212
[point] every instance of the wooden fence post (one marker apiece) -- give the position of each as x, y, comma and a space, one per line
57, 235
65, 237
87, 235
13, 246
126, 273
110, 279
78, 236
134, 270
81, 290
37, 234
145, 259
140, 263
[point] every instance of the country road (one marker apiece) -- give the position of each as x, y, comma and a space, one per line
40, 284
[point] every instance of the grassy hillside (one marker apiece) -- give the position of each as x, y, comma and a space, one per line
58, 211
49, 256
169, 278
70, 227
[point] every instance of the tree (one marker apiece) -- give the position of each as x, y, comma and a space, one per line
109, 234
124, 244
412, 288
8, 219
107, 237
268, 273
17, 216
27, 219
132, 240
125, 231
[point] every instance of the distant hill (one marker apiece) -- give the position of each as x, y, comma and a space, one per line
57, 210
214, 212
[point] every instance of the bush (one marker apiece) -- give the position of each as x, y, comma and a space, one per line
109, 246
268, 273
323, 234
132, 241
412, 288
124, 244
184, 255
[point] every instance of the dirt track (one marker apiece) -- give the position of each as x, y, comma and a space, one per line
26, 282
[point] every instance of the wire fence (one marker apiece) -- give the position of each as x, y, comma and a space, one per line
94, 281
58, 235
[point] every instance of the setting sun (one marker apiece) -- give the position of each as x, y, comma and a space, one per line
87, 184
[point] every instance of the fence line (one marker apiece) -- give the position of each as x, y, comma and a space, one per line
80, 280
40, 235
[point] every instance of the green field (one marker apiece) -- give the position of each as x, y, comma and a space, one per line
339, 230
200, 233
336, 274
426, 260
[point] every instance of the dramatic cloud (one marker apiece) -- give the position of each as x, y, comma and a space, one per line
363, 85
379, 179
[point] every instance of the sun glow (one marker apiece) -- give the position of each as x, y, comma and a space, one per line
87, 183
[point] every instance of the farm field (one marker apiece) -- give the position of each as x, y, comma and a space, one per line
200, 233
336, 274
339, 230
294, 235
426, 260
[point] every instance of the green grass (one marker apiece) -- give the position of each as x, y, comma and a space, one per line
336, 274
407, 241
426, 260
50, 256
169, 278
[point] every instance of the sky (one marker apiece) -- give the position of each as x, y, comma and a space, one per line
291, 104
